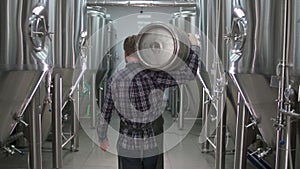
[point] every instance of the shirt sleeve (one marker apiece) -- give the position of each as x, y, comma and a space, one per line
105, 114
182, 75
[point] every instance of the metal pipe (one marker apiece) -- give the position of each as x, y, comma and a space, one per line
246, 102
281, 160
83, 58
56, 23
72, 89
240, 157
204, 85
57, 122
93, 101
220, 133
181, 109
279, 130
176, 102
35, 140
75, 122
205, 145
141, 3
67, 141
173, 100
30, 98
211, 143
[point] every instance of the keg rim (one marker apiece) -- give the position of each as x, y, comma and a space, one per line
171, 30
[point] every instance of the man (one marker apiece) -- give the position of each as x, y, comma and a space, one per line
137, 95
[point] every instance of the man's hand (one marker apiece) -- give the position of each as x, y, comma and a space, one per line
104, 145
194, 39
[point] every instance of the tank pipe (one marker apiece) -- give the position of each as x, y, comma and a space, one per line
181, 109
204, 85
235, 81
283, 83
83, 65
48, 98
29, 98
291, 113
236, 3
140, 3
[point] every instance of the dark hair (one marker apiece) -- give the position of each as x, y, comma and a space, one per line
129, 45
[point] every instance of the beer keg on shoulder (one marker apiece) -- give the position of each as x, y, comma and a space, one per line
162, 46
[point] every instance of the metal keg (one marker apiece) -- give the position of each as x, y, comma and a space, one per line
162, 46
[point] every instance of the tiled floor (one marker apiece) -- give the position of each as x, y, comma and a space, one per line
185, 155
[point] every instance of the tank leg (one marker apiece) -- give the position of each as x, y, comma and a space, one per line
240, 157
75, 121
35, 140
93, 101
220, 134
57, 122
205, 106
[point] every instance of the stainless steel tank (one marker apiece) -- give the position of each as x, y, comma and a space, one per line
186, 20
256, 48
24, 58
69, 23
97, 35
190, 93
162, 46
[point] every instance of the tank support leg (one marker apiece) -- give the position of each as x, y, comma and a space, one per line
220, 134
35, 140
240, 157
205, 106
93, 101
57, 122
75, 121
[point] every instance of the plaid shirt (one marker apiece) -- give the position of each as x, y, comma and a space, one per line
137, 95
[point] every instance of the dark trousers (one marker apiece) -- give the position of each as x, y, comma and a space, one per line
158, 126
137, 163
154, 162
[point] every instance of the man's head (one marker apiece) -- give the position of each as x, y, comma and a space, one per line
129, 45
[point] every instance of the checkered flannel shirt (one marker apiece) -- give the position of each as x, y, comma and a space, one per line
136, 94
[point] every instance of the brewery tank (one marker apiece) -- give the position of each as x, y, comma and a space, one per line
24, 58
97, 33
69, 27
186, 20
256, 47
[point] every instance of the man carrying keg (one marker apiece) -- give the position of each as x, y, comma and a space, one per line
136, 93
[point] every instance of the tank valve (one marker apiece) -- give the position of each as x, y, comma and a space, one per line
19, 118
17, 150
264, 153
12, 150
260, 153
8, 151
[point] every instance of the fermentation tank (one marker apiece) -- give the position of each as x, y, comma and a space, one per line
97, 33
247, 37
186, 19
256, 47
189, 94
98, 44
70, 27
24, 58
